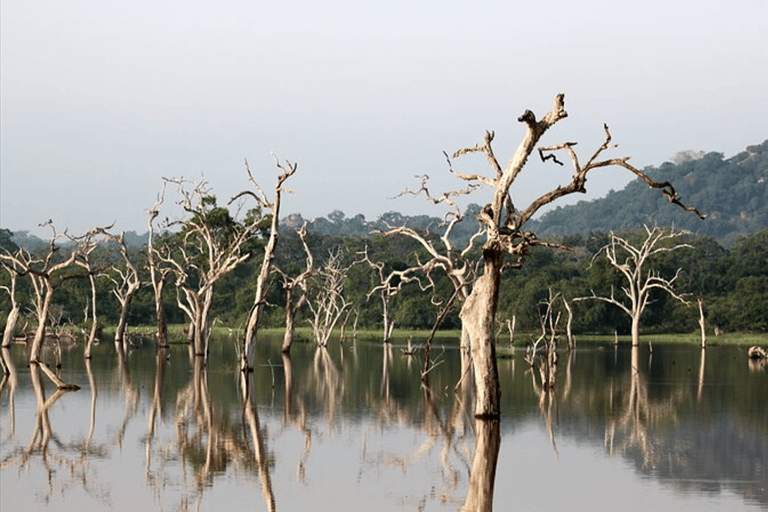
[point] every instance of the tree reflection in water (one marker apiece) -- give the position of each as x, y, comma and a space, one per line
358, 421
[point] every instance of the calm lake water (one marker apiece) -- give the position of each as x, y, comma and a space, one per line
351, 428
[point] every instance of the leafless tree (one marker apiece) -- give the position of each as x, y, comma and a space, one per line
505, 234
254, 315
634, 262
158, 274
290, 285
212, 245
46, 276
87, 244
126, 282
327, 302
390, 284
544, 357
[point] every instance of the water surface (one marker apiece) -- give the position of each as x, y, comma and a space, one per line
351, 428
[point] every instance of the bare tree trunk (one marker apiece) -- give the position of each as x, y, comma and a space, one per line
571, 340
13, 316
290, 316
37, 342
477, 315
94, 326
122, 321
636, 329
254, 315
702, 322
10, 325
511, 327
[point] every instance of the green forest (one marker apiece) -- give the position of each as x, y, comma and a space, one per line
725, 263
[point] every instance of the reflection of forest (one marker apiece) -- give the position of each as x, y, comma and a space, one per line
200, 425
682, 431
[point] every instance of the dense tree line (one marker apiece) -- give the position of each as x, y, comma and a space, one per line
732, 281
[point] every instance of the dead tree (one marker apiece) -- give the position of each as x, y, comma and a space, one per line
544, 357
633, 263
157, 273
505, 234
125, 283
212, 244
259, 301
390, 284
87, 244
290, 285
13, 316
327, 302
46, 276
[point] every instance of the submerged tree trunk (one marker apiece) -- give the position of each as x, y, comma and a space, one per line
477, 316
636, 329
94, 324
702, 322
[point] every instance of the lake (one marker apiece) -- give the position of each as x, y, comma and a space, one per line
351, 428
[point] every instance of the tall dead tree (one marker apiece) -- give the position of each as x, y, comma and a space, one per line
87, 244
157, 273
327, 302
633, 263
390, 284
259, 301
212, 244
125, 283
505, 234
290, 285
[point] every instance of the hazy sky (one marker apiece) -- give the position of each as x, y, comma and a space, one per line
101, 98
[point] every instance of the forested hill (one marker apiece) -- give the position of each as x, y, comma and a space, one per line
732, 192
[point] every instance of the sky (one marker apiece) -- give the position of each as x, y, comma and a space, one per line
101, 99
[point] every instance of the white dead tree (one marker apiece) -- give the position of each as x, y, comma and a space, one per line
390, 284
46, 274
157, 273
86, 245
327, 303
125, 283
505, 234
262, 281
635, 264
291, 285
212, 244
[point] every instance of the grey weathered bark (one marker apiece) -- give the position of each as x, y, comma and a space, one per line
632, 262
259, 301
